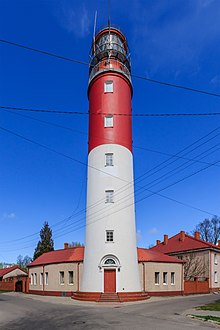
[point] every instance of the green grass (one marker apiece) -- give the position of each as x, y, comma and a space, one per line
2, 291
208, 318
210, 307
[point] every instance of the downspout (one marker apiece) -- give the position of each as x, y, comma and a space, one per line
43, 279
143, 276
210, 271
78, 276
182, 281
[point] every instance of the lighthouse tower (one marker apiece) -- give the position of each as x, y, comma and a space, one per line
110, 260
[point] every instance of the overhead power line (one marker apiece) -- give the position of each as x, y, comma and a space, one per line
69, 59
105, 139
44, 52
115, 114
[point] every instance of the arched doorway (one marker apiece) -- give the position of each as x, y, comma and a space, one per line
110, 265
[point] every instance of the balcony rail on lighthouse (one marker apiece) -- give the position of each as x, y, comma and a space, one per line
109, 65
109, 52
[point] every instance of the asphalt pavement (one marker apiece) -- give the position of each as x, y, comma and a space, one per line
30, 312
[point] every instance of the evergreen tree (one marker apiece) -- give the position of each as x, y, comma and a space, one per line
46, 243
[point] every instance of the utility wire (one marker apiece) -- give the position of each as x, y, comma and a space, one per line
145, 189
114, 114
43, 52
87, 64
105, 139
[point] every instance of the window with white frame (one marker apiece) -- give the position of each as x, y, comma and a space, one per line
215, 259
35, 278
109, 159
46, 278
32, 278
157, 278
41, 278
109, 236
108, 121
70, 277
108, 86
109, 194
216, 277
61, 277
172, 278
165, 278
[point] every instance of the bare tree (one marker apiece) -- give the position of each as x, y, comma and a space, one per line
209, 229
195, 266
75, 244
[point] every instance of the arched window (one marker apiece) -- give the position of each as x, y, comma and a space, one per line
109, 262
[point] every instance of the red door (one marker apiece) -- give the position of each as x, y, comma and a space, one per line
109, 280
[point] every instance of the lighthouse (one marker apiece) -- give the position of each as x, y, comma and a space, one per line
110, 258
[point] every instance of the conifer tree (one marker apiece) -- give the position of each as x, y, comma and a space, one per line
45, 243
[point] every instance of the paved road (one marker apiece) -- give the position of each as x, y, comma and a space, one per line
19, 311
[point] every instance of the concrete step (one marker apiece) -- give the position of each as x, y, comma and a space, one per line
109, 297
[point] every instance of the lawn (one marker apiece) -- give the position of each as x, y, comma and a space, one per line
208, 318
211, 307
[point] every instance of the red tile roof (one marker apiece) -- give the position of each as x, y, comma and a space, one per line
76, 254
5, 271
174, 244
58, 256
149, 255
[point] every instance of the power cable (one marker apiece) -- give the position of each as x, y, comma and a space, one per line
179, 152
98, 136
205, 114
87, 64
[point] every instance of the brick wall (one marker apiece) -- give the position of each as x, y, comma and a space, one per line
7, 286
196, 286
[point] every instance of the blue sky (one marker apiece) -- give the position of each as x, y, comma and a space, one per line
173, 41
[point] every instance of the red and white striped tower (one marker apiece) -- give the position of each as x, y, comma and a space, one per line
110, 260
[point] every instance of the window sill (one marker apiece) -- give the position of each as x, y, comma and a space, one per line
70, 283
157, 284
165, 284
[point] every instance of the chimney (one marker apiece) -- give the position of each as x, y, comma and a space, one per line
197, 235
219, 243
165, 240
157, 242
182, 236
66, 245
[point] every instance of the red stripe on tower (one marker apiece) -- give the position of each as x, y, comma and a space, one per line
110, 93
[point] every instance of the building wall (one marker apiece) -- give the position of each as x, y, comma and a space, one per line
117, 216
214, 268
15, 273
53, 271
147, 272
196, 264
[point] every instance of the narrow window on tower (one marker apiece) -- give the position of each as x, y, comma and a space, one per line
109, 159
109, 196
108, 121
109, 236
108, 86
